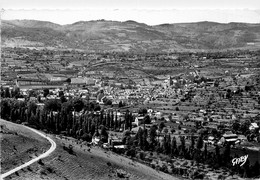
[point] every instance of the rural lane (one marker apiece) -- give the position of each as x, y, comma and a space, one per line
47, 153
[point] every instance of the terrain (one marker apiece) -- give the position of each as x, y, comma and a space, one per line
19, 145
86, 163
130, 36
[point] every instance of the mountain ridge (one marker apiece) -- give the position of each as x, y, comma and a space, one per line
103, 35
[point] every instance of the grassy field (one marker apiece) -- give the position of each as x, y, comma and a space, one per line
87, 163
19, 145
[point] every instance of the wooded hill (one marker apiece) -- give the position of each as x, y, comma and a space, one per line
130, 36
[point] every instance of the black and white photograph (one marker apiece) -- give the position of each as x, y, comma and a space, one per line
130, 89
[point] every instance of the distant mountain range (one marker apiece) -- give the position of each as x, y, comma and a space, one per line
130, 36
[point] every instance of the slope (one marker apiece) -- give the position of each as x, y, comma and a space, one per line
105, 35
19, 145
86, 164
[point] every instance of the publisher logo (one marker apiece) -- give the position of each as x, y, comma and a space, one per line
241, 160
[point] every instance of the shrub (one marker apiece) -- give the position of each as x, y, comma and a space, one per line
50, 169
46, 170
164, 168
69, 149
40, 162
29, 168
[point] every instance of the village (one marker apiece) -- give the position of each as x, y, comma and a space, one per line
215, 96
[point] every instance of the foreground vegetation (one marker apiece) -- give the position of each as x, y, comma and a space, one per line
19, 145
83, 120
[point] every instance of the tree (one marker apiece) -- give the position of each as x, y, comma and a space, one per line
236, 126
7, 93
61, 93
147, 119
173, 146
205, 151
186, 117
152, 136
226, 154
217, 156
63, 99
166, 144
32, 93
32, 107
46, 92
121, 104
107, 102
247, 172
161, 126
172, 130
200, 143
182, 138
229, 94
197, 155
52, 105
142, 111
16, 92
2, 92
93, 129
104, 134
139, 137
86, 137
126, 136
67, 107
192, 142
68, 80
78, 104
256, 169
244, 127
5, 109
165, 130
144, 138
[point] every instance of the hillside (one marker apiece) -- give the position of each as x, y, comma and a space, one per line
19, 145
84, 164
130, 35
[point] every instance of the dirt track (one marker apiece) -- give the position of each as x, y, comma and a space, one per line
88, 164
47, 153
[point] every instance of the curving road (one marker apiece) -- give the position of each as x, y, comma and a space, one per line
47, 153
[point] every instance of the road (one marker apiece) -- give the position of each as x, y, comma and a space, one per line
47, 153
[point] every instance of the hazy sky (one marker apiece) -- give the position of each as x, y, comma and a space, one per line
148, 11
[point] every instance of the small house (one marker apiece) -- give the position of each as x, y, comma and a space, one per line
253, 126
229, 137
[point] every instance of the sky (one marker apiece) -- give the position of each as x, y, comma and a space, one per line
151, 12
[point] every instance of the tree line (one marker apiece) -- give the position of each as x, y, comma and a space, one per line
76, 117
196, 150
83, 119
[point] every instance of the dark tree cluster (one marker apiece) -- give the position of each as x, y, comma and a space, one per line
82, 119
198, 151
75, 117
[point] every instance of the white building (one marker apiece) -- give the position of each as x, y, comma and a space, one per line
139, 120
253, 126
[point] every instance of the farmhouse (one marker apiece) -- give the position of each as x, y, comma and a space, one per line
253, 126
139, 120
229, 137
